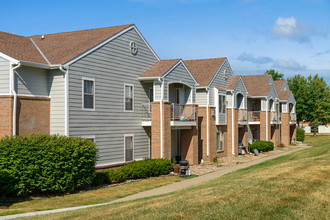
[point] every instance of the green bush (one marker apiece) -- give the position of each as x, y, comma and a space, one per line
45, 164
300, 134
135, 170
263, 146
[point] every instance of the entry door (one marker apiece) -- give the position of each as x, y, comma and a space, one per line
179, 96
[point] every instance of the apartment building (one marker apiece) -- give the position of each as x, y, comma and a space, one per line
110, 86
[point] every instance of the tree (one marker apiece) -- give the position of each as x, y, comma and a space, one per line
275, 75
312, 96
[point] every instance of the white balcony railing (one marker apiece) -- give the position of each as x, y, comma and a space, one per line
146, 112
254, 116
183, 112
293, 117
242, 115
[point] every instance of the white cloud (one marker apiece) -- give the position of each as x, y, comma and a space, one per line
289, 65
250, 58
289, 27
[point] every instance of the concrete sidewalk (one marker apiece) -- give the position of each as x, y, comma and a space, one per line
161, 190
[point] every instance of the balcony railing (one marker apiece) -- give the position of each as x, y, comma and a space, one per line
274, 117
254, 116
242, 115
183, 112
293, 117
146, 112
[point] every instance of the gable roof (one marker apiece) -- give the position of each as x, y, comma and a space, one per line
204, 70
257, 85
60, 48
20, 48
284, 95
279, 84
233, 82
160, 68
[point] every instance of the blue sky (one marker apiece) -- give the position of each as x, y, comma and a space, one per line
290, 36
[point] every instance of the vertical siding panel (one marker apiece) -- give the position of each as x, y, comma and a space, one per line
57, 102
4, 76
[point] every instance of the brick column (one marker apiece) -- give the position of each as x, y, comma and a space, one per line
294, 135
155, 130
230, 131
6, 115
285, 128
246, 136
263, 125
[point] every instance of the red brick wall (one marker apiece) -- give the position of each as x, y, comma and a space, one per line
189, 145
263, 124
223, 153
155, 130
6, 115
285, 128
230, 131
33, 115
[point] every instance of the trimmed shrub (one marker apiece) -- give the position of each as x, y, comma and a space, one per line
135, 170
263, 146
300, 134
45, 164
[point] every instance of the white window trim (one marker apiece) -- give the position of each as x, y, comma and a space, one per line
221, 138
153, 94
127, 84
128, 135
82, 93
90, 137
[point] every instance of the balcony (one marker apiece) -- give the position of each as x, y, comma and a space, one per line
242, 116
254, 116
293, 118
181, 115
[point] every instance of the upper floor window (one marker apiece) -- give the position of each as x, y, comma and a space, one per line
88, 94
222, 104
129, 97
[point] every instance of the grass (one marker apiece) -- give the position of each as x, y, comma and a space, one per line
295, 186
86, 197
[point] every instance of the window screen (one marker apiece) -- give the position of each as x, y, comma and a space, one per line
128, 97
88, 94
128, 148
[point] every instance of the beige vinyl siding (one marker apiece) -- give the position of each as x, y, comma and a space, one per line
220, 80
31, 81
179, 75
111, 66
157, 90
57, 104
4, 76
201, 97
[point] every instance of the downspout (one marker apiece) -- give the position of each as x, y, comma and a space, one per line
232, 124
12, 72
161, 117
267, 119
207, 122
66, 74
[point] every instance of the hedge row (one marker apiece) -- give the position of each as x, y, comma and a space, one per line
263, 146
45, 164
300, 134
135, 170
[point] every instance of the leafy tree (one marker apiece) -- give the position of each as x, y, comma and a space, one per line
312, 96
275, 75
298, 86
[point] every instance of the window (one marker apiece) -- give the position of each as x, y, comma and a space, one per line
219, 141
88, 94
151, 95
129, 148
222, 104
129, 97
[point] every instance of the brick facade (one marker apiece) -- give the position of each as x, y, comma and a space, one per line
6, 115
33, 115
231, 131
285, 128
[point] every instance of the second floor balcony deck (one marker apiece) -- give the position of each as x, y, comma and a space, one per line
181, 115
254, 116
293, 118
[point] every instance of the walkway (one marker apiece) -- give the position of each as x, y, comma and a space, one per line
161, 190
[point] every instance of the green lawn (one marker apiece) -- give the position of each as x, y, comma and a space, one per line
86, 197
296, 186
